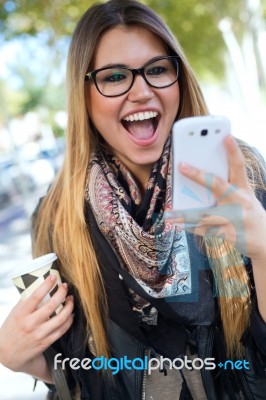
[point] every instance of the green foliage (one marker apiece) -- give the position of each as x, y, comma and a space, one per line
57, 17
194, 22
195, 26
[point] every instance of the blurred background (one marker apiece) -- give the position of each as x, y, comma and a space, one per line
225, 42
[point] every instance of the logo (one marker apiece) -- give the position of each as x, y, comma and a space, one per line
146, 364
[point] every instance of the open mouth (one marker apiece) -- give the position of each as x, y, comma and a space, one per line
141, 125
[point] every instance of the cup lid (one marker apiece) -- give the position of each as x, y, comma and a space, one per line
33, 265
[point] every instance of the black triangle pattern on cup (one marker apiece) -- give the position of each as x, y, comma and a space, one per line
46, 275
55, 288
21, 290
29, 279
51, 293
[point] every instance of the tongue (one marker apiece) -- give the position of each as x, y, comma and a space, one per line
141, 129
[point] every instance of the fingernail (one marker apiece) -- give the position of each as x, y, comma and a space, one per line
53, 278
64, 285
185, 167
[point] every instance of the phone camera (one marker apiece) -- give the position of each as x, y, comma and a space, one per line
204, 132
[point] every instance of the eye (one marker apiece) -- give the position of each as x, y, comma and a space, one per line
114, 77
156, 70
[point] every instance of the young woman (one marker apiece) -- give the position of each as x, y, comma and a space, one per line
128, 82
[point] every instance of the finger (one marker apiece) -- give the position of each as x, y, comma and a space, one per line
45, 341
227, 233
211, 227
237, 170
58, 320
222, 215
60, 331
49, 307
34, 300
221, 189
194, 213
188, 217
205, 224
217, 185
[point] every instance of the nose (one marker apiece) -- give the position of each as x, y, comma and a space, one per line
140, 90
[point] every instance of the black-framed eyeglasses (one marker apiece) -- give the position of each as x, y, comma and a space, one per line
158, 73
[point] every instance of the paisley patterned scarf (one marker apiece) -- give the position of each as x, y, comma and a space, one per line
153, 252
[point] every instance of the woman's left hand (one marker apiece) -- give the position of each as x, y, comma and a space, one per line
238, 216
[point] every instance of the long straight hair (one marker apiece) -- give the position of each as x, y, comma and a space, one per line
61, 226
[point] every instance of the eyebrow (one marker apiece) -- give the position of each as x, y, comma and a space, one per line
114, 65
120, 65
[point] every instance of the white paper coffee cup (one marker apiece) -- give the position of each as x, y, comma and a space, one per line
31, 275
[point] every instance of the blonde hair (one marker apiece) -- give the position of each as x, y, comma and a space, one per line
61, 225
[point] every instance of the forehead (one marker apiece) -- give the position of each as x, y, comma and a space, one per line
131, 46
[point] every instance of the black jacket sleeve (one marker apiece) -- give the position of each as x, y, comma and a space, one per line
258, 328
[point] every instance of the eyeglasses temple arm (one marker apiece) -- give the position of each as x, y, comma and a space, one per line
88, 76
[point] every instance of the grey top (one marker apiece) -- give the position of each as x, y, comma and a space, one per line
159, 385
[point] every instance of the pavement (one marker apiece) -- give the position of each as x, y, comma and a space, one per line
15, 248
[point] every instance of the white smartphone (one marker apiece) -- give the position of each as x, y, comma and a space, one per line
198, 141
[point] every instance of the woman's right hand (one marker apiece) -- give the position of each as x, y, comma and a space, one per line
28, 330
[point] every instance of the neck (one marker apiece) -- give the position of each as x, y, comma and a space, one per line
142, 174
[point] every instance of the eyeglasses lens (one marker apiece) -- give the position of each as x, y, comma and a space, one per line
115, 81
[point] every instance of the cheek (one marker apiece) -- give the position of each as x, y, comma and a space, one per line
171, 103
176, 97
101, 110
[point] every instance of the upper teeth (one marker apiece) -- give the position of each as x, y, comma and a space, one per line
141, 116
